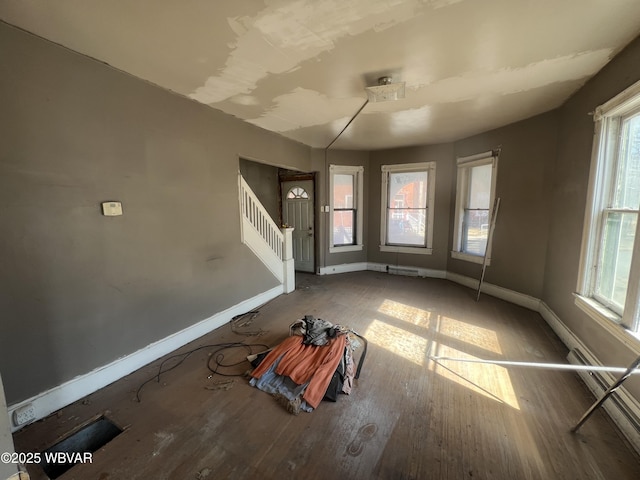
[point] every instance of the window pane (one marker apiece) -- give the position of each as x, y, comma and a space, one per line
297, 192
627, 193
343, 221
343, 191
615, 257
406, 226
408, 190
475, 231
480, 187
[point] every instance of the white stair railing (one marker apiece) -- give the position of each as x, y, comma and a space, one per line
260, 233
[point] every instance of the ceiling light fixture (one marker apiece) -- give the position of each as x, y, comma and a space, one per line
385, 91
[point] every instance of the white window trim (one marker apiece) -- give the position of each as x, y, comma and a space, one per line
358, 173
468, 257
430, 167
628, 323
484, 158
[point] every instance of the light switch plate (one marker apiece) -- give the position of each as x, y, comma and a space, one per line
111, 209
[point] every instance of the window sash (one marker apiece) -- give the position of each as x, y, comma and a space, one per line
406, 222
342, 229
626, 190
614, 254
471, 230
344, 191
402, 226
602, 263
613, 264
348, 205
475, 231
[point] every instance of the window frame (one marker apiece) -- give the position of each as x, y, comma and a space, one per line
607, 118
358, 185
464, 164
430, 168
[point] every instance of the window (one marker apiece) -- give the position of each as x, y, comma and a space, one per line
475, 194
407, 207
346, 208
608, 283
297, 193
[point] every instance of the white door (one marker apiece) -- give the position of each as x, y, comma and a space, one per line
297, 211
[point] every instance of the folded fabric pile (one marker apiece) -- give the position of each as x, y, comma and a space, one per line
315, 362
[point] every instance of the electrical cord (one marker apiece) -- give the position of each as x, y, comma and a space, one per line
218, 357
326, 162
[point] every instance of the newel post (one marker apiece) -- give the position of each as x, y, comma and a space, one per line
289, 274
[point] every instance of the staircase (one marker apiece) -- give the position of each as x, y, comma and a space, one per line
271, 244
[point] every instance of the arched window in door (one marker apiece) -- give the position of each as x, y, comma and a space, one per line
297, 193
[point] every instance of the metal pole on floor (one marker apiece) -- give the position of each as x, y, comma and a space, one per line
607, 394
543, 365
634, 368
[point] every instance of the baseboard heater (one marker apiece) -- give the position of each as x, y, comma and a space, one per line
409, 272
622, 407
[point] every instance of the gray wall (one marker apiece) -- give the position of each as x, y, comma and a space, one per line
79, 290
524, 186
263, 180
569, 194
444, 157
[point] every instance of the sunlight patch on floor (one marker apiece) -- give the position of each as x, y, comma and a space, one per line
396, 340
469, 333
492, 381
404, 312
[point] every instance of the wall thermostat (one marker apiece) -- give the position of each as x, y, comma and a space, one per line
111, 209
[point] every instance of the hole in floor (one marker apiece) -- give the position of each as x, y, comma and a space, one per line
59, 458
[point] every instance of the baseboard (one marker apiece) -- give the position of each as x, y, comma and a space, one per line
510, 296
621, 407
381, 267
406, 270
64, 394
567, 336
342, 268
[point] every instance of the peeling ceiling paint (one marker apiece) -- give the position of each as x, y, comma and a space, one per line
299, 67
285, 34
505, 81
319, 109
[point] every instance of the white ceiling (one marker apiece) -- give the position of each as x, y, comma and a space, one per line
299, 67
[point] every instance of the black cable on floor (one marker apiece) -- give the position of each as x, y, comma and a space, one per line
219, 357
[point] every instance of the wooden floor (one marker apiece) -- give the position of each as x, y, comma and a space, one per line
407, 418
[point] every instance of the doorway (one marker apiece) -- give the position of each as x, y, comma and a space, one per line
298, 212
